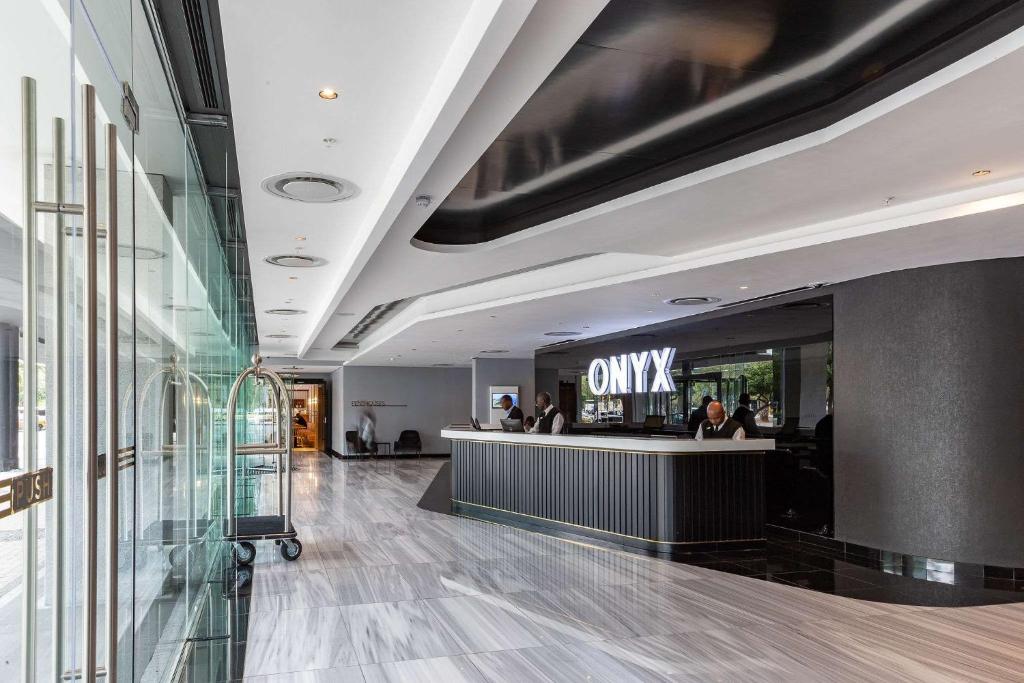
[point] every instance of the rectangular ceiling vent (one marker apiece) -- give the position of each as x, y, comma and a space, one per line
377, 316
202, 51
764, 297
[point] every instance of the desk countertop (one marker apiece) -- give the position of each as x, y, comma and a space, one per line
611, 443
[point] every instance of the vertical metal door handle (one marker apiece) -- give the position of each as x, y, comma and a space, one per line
28, 312
113, 446
56, 422
90, 448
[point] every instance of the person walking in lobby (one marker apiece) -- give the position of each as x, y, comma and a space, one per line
718, 426
551, 420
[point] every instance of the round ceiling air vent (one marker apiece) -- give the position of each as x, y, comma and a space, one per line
693, 300
316, 188
285, 311
295, 261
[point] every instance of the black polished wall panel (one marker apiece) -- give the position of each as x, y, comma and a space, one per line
929, 412
669, 499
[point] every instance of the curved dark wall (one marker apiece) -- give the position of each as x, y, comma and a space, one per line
929, 412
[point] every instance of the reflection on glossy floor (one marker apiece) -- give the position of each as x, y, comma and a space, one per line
386, 591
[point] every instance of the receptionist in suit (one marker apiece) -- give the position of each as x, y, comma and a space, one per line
512, 411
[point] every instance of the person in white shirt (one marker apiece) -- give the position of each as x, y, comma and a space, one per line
718, 426
551, 420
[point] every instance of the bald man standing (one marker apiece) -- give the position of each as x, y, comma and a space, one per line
718, 426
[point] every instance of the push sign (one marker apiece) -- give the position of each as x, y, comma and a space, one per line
28, 489
628, 373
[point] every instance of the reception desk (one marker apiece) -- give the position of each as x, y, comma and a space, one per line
661, 495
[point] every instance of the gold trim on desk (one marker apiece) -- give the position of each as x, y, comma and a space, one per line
602, 531
607, 450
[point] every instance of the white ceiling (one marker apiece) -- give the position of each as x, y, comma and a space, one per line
888, 188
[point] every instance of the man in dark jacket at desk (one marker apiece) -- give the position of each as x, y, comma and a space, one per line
512, 411
718, 426
745, 416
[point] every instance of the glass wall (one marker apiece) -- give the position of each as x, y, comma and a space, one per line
178, 344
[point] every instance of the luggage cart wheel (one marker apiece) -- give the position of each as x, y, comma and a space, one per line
243, 578
290, 550
178, 556
244, 552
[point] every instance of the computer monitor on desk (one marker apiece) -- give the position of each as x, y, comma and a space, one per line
508, 425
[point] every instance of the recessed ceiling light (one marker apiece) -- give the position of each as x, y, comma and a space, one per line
293, 277
693, 300
562, 334
328, 94
495, 351
279, 336
285, 311
981, 172
300, 238
744, 286
182, 308
295, 261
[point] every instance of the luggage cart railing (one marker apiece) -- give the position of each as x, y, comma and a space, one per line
277, 527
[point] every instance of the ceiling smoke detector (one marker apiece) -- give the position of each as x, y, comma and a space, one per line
693, 300
295, 261
310, 187
285, 311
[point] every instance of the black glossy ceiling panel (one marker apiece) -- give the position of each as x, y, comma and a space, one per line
656, 89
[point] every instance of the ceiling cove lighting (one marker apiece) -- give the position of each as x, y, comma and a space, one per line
295, 261
306, 186
693, 300
328, 94
285, 311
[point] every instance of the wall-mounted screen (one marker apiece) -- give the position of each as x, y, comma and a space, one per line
496, 399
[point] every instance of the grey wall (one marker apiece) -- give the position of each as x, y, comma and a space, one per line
434, 397
337, 436
488, 372
929, 412
546, 379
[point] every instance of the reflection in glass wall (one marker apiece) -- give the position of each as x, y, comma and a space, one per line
180, 341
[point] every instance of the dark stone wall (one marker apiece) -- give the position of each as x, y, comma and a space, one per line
929, 411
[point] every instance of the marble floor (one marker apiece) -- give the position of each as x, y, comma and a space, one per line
387, 591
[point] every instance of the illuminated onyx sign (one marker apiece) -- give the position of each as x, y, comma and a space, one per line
627, 373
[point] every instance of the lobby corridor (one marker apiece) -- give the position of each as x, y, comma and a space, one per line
387, 591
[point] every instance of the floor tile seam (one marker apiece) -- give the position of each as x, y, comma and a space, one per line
921, 634
469, 662
961, 658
